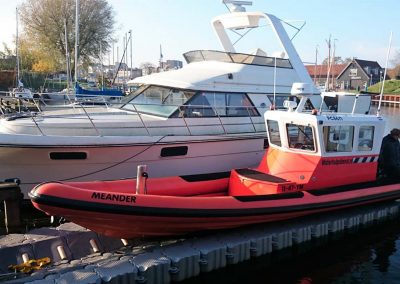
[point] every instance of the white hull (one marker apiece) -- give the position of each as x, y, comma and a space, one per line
33, 165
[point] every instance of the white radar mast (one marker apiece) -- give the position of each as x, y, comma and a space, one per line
237, 6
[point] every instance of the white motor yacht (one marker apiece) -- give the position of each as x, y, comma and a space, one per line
204, 118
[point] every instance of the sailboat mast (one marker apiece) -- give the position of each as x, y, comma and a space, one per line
76, 39
16, 46
67, 55
130, 37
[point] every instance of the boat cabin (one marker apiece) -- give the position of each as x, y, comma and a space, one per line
310, 149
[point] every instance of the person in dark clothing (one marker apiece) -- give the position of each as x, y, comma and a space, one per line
389, 158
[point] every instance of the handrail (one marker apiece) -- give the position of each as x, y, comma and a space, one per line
251, 120
37, 125
184, 120
91, 121
136, 111
232, 57
140, 117
220, 121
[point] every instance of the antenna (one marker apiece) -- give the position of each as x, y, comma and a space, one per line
378, 112
236, 6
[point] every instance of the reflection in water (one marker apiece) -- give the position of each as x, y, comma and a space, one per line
370, 254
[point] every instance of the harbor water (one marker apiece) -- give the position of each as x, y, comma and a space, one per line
371, 255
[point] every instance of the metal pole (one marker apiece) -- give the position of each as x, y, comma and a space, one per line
66, 53
102, 71
116, 72
16, 47
76, 39
333, 64
274, 106
124, 62
384, 75
131, 73
315, 66
67, 59
329, 64
141, 177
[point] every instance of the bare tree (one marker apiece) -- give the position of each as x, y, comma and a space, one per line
337, 60
396, 58
148, 67
45, 22
394, 73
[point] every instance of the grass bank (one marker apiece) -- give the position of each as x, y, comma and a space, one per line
391, 87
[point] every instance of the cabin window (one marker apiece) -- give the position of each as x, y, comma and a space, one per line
174, 151
158, 101
366, 138
279, 99
273, 133
331, 103
300, 137
338, 138
206, 104
68, 155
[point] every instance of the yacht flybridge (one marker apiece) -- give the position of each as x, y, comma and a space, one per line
204, 118
255, 73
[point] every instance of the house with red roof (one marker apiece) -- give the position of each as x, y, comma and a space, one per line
319, 73
356, 75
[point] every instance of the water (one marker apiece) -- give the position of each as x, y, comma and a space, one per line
370, 255
392, 115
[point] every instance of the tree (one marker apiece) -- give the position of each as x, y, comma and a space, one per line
148, 67
394, 73
396, 58
8, 60
338, 60
347, 60
45, 22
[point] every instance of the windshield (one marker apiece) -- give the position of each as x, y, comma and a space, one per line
155, 100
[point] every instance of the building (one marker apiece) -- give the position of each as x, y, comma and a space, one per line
356, 75
174, 64
360, 74
319, 74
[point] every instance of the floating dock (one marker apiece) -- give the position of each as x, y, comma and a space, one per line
81, 256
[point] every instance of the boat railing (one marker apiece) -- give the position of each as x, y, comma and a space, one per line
245, 115
9, 104
231, 57
187, 112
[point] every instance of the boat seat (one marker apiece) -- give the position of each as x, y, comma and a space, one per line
253, 174
253, 182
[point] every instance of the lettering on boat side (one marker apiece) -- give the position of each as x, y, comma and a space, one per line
114, 197
292, 187
337, 162
333, 117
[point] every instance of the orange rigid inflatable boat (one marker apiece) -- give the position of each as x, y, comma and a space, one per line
316, 162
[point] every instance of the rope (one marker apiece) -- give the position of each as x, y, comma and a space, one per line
116, 164
30, 265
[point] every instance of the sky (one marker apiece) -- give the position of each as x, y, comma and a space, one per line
357, 28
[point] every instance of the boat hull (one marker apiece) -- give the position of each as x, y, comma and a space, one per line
132, 215
206, 154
